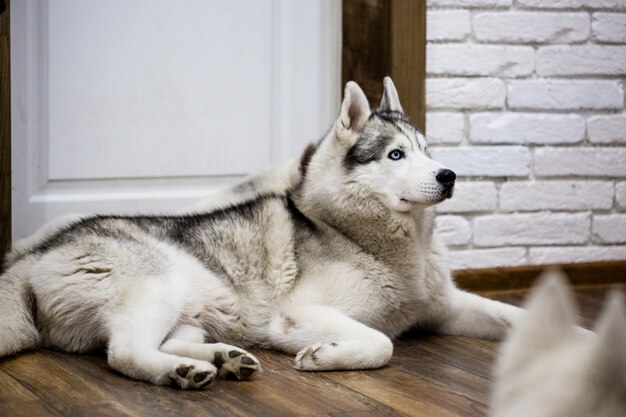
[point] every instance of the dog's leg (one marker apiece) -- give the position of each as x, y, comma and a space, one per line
326, 339
466, 314
135, 336
231, 361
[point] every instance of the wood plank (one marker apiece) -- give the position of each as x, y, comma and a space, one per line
440, 373
5, 129
131, 397
475, 356
282, 390
408, 394
81, 389
13, 390
387, 37
523, 277
27, 409
71, 391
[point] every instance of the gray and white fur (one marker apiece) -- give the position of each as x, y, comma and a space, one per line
330, 269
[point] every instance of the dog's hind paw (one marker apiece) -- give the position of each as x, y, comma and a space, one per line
236, 364
315, 357
186, 376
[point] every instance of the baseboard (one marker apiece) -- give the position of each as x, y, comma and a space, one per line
523, 277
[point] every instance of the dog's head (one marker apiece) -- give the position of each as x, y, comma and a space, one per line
549, 367
378, 154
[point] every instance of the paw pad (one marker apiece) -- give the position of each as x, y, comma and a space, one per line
190, 377
236, 365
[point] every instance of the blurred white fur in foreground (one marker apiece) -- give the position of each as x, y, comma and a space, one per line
549, 367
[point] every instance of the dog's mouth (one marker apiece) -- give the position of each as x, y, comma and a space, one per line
447, 193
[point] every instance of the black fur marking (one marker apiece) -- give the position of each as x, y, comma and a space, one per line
180, 229
379, 131
299, 218
367, 149
392, 116
203, 235
397, 118
306, 158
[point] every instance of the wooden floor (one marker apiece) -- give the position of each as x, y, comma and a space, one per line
427, 376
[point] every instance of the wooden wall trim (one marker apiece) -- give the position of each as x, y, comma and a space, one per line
523, 277
387, 37
5, 129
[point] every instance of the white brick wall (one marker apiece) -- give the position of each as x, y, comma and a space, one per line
609, 228
561, 60
465, 93
471, 197
485, 161
575, 254
487, 258
609, 27
470, 3
556, 195
448, 25
526, 128
565, 95
607, 128
445, 127
470, 59
526, 104
526, 27
620, 195
453, 230
572, 4
531, 229
577, 162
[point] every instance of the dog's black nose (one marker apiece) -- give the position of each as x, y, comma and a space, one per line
446, 177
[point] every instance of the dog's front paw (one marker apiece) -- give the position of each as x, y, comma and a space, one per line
316, 357
187, 376
236, 364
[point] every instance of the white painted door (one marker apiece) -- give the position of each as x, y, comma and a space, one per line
149, 105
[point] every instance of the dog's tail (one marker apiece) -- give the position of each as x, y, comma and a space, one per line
17, 328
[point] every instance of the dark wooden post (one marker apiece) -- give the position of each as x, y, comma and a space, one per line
387, 37
5, 130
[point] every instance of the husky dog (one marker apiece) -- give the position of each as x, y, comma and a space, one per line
551, 368
330, 270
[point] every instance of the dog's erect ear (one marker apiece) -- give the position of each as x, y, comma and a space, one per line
609, 361
551, 310
354, 109
390, 100
551, 316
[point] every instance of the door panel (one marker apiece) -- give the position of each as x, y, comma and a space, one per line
135, 106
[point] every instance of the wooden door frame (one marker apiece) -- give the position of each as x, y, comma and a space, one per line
387, 37
5, 129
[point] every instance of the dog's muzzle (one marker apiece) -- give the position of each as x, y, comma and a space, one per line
446, 178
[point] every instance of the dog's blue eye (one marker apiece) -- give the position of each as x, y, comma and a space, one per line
396, 154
